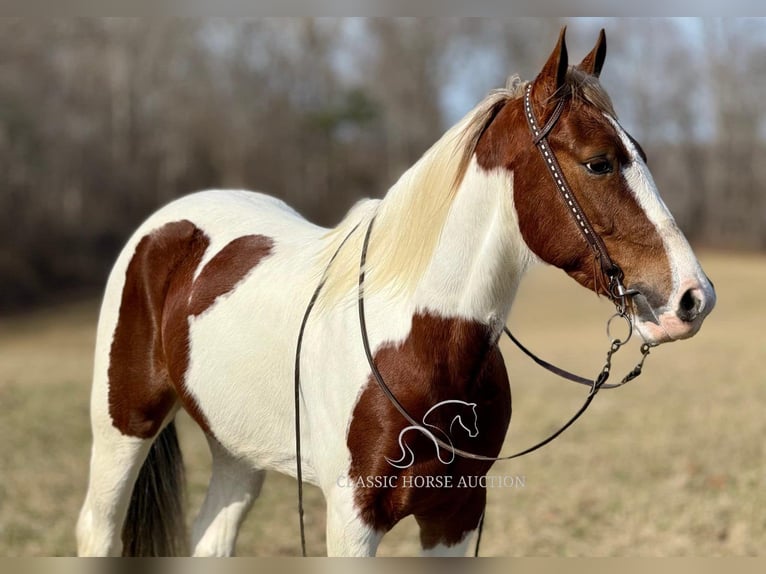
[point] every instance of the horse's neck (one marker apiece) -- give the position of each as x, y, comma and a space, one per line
480, 256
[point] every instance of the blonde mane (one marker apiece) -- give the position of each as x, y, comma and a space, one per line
410, 218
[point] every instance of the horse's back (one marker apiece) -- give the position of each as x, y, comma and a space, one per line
233, 211
222, 216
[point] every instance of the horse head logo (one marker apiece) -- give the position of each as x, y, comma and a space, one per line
471, 426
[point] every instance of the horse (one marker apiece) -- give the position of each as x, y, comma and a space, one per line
203, 305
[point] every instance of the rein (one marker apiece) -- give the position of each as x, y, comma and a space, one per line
595, 384
616, 292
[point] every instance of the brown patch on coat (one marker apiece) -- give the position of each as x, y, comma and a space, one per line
150, 348
546, 224
441, 359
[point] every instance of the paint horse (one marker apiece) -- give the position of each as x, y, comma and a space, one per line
203, 305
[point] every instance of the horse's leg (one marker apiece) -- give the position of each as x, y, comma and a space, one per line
116, 460
233, 488
347, 533
449, 532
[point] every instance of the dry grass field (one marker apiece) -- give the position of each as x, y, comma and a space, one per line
670, 465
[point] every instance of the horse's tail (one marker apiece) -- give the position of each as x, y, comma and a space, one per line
155, 525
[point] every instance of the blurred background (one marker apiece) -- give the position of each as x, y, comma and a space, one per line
104, 120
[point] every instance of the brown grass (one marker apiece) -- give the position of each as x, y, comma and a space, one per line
672, 464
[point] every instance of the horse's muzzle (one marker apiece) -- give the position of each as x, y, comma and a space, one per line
681, 318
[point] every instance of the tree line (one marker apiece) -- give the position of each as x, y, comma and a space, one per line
104, 120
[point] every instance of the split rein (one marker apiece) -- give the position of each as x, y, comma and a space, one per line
595, 385
616, 291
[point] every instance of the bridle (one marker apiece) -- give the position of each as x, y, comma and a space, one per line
616, 291
609, 268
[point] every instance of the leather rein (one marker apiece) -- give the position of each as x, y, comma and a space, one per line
616, 291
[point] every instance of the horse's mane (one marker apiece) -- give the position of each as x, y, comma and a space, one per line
409, 220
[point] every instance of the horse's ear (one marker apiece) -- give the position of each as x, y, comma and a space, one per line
593, 62
553, 74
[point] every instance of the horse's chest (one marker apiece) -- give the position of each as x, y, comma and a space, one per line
449, 375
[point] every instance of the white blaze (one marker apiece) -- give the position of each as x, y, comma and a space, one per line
686, 270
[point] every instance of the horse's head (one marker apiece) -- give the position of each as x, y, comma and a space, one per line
607, 173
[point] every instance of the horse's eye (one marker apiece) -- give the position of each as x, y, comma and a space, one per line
599, 166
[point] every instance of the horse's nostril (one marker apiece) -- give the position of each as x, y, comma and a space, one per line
689, 306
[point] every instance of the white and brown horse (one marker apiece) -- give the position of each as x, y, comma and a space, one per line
203, 307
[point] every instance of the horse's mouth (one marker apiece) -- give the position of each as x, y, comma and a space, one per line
647, 323
642, 310
664, 319
658, 327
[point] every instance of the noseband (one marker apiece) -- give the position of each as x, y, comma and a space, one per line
616, 292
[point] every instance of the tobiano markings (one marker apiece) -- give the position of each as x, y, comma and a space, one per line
463, 357
149, 355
